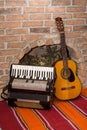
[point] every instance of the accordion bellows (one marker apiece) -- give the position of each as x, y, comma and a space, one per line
31, 86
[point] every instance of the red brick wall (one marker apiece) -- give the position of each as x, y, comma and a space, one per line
23, 21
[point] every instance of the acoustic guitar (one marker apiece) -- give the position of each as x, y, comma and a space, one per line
67, 84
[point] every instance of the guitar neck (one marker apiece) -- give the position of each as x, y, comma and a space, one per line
64, 50
60, 27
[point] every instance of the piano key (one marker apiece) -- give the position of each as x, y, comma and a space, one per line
18, 73
35, 74
21, 74
15, 73
30, 73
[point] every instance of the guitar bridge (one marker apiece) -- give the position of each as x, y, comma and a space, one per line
68, 88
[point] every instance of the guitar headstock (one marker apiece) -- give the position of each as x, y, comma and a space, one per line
59, 23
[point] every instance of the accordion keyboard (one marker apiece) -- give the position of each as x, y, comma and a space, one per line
32, 72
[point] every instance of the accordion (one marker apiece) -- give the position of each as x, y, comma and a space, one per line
31, 86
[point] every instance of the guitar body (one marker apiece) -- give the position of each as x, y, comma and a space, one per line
67, 88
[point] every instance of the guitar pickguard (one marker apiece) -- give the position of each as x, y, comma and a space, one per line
71, 77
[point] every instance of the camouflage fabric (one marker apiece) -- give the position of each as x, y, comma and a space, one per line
42, 56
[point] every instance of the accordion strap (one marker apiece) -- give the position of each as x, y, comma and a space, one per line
4, 94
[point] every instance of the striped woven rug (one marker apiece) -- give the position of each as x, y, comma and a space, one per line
68, 115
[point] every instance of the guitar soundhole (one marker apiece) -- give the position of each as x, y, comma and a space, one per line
68, 74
